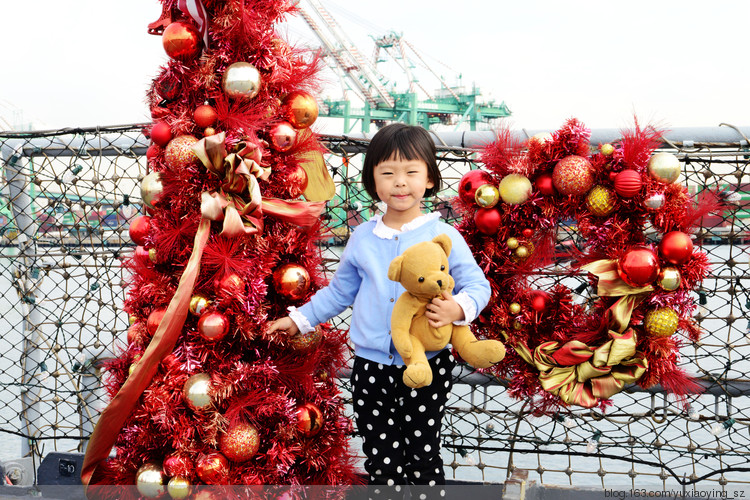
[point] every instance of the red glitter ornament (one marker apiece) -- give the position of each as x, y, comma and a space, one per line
181, 41
152, 324
178, 465
487, 220
291, 281
470, 182
283, 136
309, 419
161, 133
213, 326
545, 185
139, 229
205, 116
212, 468
676, 247
300, 109
573, 175
179, 153
240, 442
638, 267
628, 183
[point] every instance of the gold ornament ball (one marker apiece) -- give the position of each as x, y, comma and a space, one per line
132, 319
179, 487
300, 109
198, 304
522, 252
240, 442
487, 196
241, 80
607, 149
514, 189
150, 480
601, 201
664, 167
197, 391
669, 279
307, 340
151, 189
661, 322
517, 325
514, 308
512, 243
541, 138
152, 255
654, 201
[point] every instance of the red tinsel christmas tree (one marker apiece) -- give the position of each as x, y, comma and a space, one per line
201, 393
633, 220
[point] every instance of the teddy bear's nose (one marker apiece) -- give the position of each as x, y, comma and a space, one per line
440, 283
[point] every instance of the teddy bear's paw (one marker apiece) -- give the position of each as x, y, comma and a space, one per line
418, 375
484, 353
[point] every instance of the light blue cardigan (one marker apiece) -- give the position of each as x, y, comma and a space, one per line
361, 281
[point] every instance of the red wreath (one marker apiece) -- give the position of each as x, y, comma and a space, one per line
563, 353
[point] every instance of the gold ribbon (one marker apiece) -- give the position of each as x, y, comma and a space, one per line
582, 375
238, 202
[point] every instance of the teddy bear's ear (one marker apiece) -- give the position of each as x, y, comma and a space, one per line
394, 270
445, 242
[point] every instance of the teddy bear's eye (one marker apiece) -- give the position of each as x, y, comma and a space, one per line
442, 268
421, 279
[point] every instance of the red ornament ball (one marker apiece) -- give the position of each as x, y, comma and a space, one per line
181, 41
139, 229
309, 419
573, 175
300, 109
141, 256
161, 133
291, 281
178, 465
297, 181
676, 247
179, 153
240, 442
283, 136
205, 116
212, 468
638, 267
628, 183
470, 182
152, 152
213, 326
230, 285
545, 185
539, 300
152, 323
487, 220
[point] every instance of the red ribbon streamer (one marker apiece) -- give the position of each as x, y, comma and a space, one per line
118, 411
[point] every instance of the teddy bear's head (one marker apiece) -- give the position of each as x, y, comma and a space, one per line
423, 268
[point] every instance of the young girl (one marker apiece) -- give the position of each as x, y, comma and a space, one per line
400, 426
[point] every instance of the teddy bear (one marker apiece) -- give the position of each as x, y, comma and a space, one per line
422, 269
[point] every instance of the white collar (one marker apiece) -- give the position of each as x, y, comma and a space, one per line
387, 233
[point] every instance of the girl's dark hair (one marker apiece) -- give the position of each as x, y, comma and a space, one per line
403, 141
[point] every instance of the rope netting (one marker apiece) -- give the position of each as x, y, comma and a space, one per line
66, 202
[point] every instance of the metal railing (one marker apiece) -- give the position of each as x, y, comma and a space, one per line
66, 201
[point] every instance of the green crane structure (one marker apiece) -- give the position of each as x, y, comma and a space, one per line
380, 102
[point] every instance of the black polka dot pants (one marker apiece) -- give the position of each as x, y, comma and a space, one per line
400, 426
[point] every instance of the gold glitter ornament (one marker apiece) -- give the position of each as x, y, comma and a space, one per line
514, 189
240, 442
179, 487
573, 175
601, 201
150, 480
664, 167
179, 152
197, 391
487, 196
661, 322
198, 304
307, 340
669, 279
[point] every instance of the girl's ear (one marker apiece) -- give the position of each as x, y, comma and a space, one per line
394, 270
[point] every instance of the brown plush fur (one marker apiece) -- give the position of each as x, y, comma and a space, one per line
410, 329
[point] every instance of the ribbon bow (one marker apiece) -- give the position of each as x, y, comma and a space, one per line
238, 201
582, 375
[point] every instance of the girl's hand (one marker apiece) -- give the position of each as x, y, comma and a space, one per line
443, 311
285, 324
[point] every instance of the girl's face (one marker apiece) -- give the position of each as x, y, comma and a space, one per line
401, 185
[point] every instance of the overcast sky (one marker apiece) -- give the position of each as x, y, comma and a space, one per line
677, 63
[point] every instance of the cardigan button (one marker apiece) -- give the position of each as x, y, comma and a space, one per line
390, 356
396, 237
392, 299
